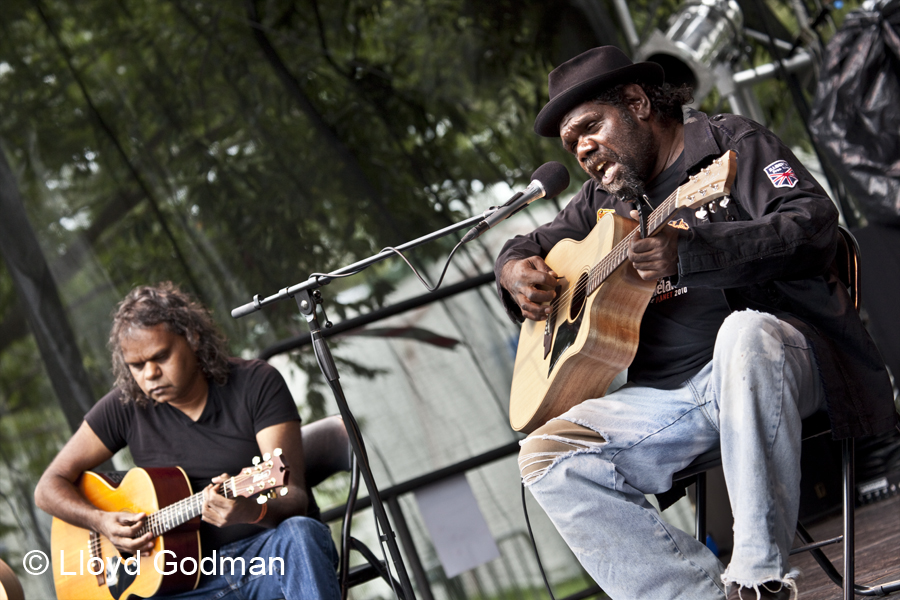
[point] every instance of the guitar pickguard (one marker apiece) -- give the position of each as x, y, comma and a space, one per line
565, 337
568, 330
118, 579
548, 328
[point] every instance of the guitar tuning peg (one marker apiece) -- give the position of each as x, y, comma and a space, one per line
711, 206
255, 460
283, 491
725, 201
702, 214
261, 499
267, 456
270, 494
276, 452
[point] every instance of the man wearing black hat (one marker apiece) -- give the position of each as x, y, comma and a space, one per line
749, 331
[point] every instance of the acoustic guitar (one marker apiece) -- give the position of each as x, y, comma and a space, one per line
10, 587
592, 331
86, 565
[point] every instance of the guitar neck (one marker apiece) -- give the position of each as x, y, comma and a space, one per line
612, 261
181, 512
713, 181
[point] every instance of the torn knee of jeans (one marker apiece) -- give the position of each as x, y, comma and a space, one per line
549, 443
752, 591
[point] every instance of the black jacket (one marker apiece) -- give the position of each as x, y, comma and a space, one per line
772, 249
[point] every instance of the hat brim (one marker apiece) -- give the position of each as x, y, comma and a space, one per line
547, 122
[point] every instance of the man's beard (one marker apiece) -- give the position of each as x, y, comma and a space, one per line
635, 163
627, 186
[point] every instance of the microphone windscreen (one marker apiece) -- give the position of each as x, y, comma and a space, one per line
553, 176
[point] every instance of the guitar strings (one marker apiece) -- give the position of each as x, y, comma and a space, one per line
166, 518
182, 511
604, 268
611, 261
94, 544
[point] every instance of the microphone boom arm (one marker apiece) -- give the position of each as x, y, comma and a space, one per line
319, 281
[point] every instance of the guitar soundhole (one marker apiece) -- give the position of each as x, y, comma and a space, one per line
578, 297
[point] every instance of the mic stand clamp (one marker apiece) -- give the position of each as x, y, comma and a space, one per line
307, 300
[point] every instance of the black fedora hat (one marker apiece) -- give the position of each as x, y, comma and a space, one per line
581, 78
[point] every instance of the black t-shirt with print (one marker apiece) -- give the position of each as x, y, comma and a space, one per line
679, 329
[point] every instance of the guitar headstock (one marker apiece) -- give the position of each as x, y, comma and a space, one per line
262, 478
710, 183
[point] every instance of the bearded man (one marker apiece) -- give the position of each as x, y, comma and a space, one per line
759, 335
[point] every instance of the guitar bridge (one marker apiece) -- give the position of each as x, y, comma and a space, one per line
94, 552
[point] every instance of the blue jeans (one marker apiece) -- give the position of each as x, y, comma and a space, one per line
590, 472
309, 563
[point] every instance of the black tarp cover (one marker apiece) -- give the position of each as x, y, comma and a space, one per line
856, 111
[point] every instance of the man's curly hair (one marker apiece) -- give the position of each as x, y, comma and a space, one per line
147, 306
666, 100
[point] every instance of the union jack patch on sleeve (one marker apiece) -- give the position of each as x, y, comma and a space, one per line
781, 174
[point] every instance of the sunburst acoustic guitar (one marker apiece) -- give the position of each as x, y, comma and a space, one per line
591, 334
86, 566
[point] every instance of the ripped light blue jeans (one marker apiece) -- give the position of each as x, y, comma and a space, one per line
749, 399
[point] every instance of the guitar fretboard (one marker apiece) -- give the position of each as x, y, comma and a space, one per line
170, 517
712, 182
619, 253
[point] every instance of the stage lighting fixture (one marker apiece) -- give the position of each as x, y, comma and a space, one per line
702, 39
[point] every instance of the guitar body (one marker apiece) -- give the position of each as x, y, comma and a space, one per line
587, 341
10, 587
141, 490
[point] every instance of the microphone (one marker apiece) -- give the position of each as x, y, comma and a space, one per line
546, 182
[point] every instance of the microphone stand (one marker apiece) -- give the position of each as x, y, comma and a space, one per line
307, 296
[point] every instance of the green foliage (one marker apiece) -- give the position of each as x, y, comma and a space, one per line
208, 141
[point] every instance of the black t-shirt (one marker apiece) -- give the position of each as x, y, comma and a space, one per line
222, 440
678, 331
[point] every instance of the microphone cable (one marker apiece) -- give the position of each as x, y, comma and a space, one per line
537, 556
401, 255
409, 264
